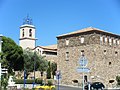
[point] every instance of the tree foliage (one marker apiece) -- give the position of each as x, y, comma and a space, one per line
12, 56
31, 59
118, 80
54, 68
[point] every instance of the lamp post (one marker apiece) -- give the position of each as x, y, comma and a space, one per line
34, 62
83, 62
34, 68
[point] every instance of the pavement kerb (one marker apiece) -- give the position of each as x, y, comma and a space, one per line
70, 85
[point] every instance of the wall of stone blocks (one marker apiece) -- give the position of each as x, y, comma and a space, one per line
103, 59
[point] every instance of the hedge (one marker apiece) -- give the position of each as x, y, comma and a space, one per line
28, 81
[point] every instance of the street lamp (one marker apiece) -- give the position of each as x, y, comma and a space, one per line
34, 58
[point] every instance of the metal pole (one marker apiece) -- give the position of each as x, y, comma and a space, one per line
83, 72
24, 78
34, 63
83, 78
89, 86
34, 73
58, 82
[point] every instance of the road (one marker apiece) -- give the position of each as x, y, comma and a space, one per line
68, 88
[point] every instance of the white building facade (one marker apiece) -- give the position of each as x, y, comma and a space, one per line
27, 34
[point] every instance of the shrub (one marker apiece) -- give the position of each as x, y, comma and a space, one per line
49, 73
39, 81
21, 81
118, 80
28, 81
50, 82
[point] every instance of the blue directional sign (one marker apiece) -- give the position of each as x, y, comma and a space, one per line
83, 61
82, 69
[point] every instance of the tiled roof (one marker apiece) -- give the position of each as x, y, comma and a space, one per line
50, 47
86, 30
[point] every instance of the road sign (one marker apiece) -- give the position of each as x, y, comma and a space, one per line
58, 74
83, 69
83, 61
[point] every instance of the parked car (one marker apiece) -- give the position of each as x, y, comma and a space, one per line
95, 86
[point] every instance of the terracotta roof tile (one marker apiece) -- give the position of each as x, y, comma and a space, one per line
85, 30
50, 47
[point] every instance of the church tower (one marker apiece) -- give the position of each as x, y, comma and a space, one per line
27, 34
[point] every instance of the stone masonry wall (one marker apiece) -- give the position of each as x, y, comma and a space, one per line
103, 59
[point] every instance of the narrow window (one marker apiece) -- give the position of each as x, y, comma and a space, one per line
105, 52
116, 53
114, 41
110, 41
118, 42
82, 52
23, 33
105, 39
101, 40
82, 39
67, 56
40, 52
30, 32
109, 63
67, 42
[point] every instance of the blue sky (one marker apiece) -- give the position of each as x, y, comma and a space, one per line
55, 17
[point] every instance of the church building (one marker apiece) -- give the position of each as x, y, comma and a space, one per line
100, 48
28, 39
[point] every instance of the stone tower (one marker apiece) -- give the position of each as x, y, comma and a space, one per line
27, 34
102, 50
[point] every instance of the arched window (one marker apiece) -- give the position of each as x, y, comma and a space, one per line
23, 33
30, 32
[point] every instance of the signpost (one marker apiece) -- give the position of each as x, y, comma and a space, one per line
83, 64
58, 77
24, 78
82, 69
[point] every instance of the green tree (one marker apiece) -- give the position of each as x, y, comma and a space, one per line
31, 59
28, 61
12, 55
42, 65
49, 71
54, 68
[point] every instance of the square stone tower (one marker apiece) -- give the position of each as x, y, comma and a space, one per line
102, 50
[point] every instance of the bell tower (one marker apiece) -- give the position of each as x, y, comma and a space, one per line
27, 34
